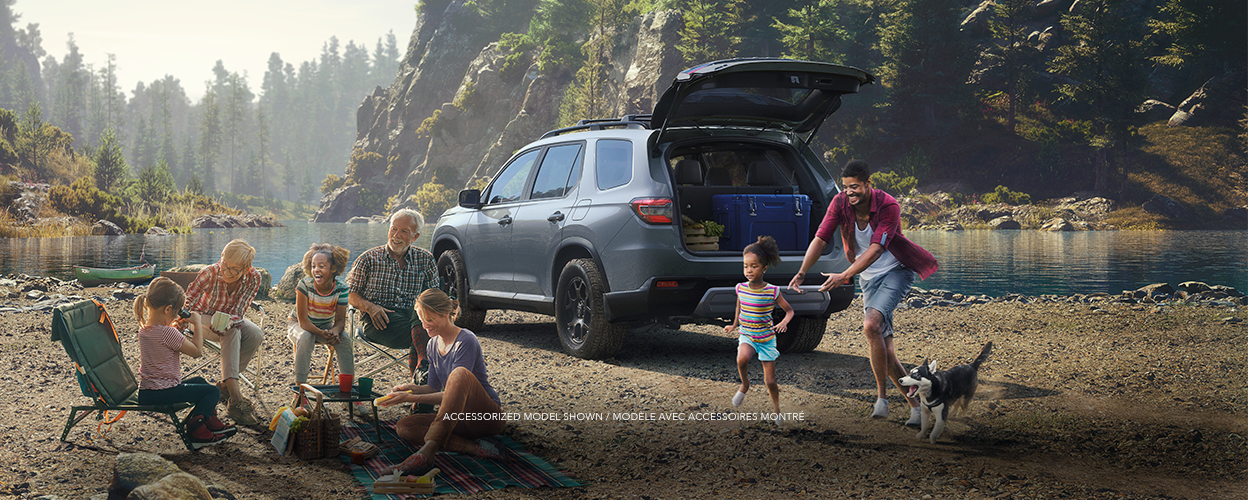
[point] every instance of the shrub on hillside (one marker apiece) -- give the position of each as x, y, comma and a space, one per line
892, 183
331, 183
1003, 194
434, 198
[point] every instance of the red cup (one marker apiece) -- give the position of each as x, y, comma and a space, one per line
344, 382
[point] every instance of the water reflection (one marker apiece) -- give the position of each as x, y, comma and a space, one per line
1034, 262
276, 248
972, 262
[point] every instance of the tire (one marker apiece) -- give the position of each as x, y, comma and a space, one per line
804, 334
580, 315
454, 279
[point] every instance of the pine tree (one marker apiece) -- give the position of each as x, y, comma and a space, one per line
1010, 50
209, 139
814, 30
1103, 63
925, 64
110, 163
709, 32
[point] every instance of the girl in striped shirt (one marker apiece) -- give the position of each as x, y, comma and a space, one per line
161, 347
755, 301
320, 313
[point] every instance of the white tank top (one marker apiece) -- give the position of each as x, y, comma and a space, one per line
886, 262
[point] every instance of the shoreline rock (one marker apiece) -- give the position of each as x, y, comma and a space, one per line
224, 221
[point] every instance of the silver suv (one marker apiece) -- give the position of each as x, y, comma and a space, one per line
585, 223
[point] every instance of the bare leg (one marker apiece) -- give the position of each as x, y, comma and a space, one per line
773, 388
896, 370
876, 350
745, 353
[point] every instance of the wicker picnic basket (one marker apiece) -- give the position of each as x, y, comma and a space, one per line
319, 436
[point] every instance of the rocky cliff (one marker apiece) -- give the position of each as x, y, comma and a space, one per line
450, 114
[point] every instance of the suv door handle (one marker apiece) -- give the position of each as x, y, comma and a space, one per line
505, 220
555, 217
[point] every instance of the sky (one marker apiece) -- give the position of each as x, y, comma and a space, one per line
154, 38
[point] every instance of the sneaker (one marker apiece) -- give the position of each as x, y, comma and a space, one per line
199, 435
881, 409
241, 412
916, 417
738, 398
779, 420
215, 425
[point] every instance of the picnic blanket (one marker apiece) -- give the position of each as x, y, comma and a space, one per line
460, 473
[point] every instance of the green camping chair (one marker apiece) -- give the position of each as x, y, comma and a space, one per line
91, 341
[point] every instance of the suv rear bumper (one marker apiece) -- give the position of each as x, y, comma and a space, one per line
711, 297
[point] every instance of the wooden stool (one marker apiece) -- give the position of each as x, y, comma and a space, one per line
327, 376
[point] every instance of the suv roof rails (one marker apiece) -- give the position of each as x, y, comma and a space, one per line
627, 121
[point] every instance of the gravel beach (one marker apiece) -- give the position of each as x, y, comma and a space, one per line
1086, 398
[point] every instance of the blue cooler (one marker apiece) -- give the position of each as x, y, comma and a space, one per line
745, 217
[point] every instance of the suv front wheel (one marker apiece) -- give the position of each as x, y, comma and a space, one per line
455, 283
579, 313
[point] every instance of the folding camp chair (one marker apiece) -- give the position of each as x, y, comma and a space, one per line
90, 339
386, 356
184, 280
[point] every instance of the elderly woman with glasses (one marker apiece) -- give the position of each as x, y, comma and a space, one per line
229, 286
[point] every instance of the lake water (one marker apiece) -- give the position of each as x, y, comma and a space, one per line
986, 262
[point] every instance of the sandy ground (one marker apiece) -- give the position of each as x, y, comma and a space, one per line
1076, 401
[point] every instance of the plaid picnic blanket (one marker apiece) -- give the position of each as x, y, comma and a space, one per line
460, 473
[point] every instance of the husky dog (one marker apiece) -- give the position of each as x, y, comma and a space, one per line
940, 390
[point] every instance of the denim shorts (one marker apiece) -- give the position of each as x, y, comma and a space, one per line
884, 292
766, 350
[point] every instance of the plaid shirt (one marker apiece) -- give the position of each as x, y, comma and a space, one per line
208, 294
377, 277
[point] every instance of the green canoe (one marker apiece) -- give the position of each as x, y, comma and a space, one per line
91, 276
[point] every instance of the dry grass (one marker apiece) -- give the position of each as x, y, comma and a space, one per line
1135, 218
1201, 167
10, 228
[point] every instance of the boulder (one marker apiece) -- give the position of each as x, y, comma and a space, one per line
285, 288
976, 23
994, 211
1166, 206
1057, 224
106, 228
224, 221
177, 486
1236, 214
157, 231
1094, 208
1005, 222
339, 205
1153, 110
136, 469
1193, 287
1046, 8
1219, 102
1156, 289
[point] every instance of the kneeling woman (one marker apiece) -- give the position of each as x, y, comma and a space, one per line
458, 384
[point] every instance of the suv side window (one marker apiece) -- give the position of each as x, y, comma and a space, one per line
509, 186
614, 163
559, 171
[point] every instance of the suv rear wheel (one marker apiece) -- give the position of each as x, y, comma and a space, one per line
579, 313
455, 284
804, 334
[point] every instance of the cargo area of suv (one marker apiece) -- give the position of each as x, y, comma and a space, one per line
595, 224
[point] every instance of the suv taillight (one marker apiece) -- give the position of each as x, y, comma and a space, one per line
653, 210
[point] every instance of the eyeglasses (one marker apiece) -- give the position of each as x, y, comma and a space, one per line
232, 271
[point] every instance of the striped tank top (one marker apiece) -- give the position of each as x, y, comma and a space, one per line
756, 306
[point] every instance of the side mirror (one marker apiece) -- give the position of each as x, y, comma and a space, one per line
470, 198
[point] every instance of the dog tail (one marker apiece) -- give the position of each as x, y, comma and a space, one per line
983, 355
